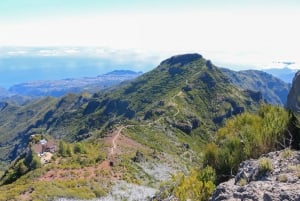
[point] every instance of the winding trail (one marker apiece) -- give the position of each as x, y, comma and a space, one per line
174, 104
115, 138
114, 145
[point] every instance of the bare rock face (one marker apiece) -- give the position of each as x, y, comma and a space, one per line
258, 181
293, 100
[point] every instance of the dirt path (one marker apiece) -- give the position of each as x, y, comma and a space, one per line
117, 144
115, 137
174, 104
114, 145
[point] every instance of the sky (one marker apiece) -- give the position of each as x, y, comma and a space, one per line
232, 33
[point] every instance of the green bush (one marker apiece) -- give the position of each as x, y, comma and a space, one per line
264, 165
79, 148
247, 136
199, 185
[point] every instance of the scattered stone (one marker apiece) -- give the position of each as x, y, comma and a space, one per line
264, 187
139, 157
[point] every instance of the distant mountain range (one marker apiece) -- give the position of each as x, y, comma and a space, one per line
57, 88
285, 74
27, 64
273, 89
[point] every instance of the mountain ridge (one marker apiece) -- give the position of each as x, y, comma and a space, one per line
166, 115
274, 90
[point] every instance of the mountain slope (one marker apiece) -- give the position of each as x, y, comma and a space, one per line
186, 91
293, 100
16, 122
141, 133
274, 90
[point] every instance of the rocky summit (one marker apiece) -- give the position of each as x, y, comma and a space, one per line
274, 176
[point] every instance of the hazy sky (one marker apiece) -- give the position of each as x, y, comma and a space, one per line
230, 32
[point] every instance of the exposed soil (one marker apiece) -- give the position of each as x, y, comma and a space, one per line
115, 144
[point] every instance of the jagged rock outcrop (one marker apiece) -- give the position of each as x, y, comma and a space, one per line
293, 101
275, 176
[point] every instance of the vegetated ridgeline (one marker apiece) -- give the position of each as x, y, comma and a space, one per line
186, 98
206, 99
273, 90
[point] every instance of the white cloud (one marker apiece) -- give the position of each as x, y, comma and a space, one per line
254, 38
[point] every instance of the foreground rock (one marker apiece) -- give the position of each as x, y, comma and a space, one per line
275, 176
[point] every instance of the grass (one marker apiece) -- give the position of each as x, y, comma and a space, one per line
282, 178
264, 165
243, 182
298, 172
287, 153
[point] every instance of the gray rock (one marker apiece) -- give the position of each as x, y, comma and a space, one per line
281, 183
293, 96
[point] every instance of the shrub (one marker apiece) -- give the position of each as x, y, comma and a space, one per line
247, 136
264, 165
79, 148
287, 153
282, 178
199, 185
243, 182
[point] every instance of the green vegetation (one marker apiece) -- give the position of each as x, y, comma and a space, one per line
264, 166
273, 90
287, 153
198, 185
20, 167
43, 190
24, 174
243, 182
247, 136
185, 112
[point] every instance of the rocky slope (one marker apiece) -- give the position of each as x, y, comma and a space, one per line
293, 101
273, 89
275, 176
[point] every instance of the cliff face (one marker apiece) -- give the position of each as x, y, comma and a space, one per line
275, 176
293, 100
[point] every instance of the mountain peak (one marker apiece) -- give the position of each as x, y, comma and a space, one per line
182, 59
